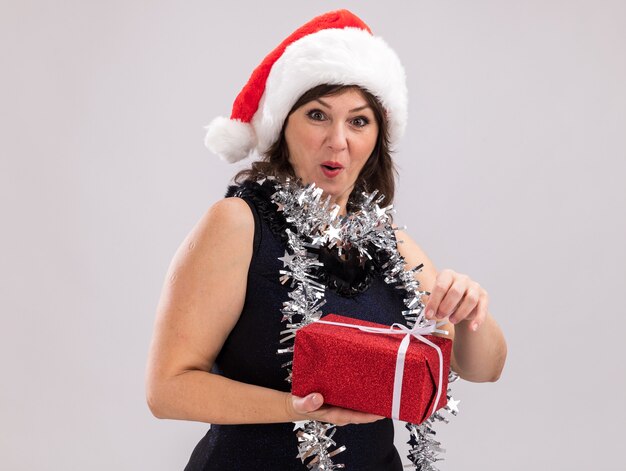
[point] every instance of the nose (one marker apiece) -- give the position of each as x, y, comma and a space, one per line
337, 139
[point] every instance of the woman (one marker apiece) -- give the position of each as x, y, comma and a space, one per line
322, 108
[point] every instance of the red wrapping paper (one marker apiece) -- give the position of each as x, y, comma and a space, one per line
355, 369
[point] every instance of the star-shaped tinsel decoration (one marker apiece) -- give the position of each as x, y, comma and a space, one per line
287, 259
332, 234
369, 230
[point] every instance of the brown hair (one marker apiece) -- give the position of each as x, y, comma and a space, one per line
378, 173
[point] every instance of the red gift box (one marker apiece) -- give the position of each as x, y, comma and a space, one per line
356, 370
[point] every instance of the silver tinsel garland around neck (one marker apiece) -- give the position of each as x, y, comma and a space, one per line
368, 229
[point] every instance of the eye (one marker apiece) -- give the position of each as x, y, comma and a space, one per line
360, 121
316, 115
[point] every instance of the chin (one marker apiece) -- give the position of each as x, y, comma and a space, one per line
335, 190
333, 187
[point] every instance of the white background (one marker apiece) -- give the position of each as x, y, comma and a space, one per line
512, 171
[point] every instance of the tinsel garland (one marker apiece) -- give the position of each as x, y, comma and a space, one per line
368, 230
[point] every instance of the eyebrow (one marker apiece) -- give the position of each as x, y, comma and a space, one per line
351, 111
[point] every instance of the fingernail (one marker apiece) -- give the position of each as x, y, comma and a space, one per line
430, 314
316, 399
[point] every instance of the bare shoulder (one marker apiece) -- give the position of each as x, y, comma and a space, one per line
224, 233
228, 214
218, 249
204, 290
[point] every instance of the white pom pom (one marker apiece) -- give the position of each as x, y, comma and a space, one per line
231, 139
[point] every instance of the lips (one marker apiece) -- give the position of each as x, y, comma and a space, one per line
330, 165
331, 169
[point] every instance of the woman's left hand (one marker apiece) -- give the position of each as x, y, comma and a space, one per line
458, 297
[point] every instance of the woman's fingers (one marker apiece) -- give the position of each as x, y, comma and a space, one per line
468, 304
456, 296
477, 314
312, 407
310, 403
443, 282
453, 297
340, 416
447, 293
481, 313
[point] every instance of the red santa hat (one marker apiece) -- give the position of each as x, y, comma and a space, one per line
335, 48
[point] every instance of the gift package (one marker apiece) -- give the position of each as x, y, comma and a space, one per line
381, 370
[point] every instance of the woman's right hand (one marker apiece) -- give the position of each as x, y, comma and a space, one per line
311, 407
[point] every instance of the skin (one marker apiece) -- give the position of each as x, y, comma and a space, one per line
204, 290
339, 128
326, 130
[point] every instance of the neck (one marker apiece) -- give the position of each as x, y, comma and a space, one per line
343, 210
342, 202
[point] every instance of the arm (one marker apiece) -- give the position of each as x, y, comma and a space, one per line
477, 355
200, 303
201, 300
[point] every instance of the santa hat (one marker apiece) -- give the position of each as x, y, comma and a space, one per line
335, 48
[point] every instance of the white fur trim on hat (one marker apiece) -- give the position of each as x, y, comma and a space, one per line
348, 56
231, 139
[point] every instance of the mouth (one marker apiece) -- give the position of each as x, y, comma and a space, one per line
332, 165
331, 169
